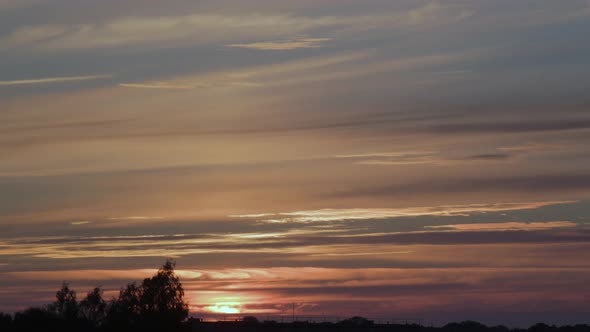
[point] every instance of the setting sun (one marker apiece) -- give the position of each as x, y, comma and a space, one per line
224, 308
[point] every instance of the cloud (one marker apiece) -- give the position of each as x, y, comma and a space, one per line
73, 275
530, 147
49, 80
394, 158
416, 158
506, 226
255, 215
390, 154
354, 243
157, 245
82, 222
157, 85
488, 156
11, 5
546, 183
283, 45
348, 254
219, 28
414, 161
136, 218
254, 77
511, 126
326, 215
216, 27
291, 244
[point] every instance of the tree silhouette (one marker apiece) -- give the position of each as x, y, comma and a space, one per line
157, 303
162, 296
93, 307
36, 319
125, 310
5, 321
66, 305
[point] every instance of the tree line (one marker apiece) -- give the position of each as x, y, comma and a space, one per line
155, 304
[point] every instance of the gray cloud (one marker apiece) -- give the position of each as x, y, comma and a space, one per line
489, 156
314, 241
52, 80
518, 183
514, 126
283, 45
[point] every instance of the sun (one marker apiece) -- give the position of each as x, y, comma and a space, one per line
225, 308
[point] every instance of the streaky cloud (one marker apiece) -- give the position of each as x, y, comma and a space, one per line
506, 226
512, 126
49, 80
283, 45
516, 183
136, 218
81, 222
386, 154
157, 85
217, 28
324, 215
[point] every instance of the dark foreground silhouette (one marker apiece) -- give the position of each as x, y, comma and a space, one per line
158, 304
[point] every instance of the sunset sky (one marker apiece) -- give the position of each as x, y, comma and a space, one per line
385, 158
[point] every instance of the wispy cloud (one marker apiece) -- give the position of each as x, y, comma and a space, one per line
136, 218
233, 30
440, 158
157, 85
433, 158
254, 215
394, 158
9, 4
81, 222
398, 162
564, 124
283, 45
488, 156
389, 154
530, 147
324, 215
207, 28
253, 77
49, 80
506, 226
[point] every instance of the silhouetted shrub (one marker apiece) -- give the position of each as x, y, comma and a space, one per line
540, 327
35, 319
250, 320
5, 321
357, 321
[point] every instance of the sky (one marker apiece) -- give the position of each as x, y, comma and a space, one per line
392, 159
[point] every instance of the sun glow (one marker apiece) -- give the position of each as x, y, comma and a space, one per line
225, 308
